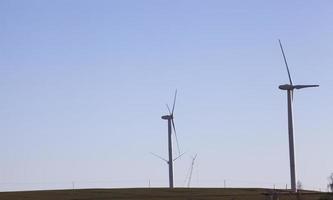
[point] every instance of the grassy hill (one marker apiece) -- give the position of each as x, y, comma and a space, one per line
164, 194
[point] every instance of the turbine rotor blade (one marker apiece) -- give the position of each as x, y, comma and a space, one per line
168, 109
160, 157
292, 95
179, 156
285, 61
304, 86
174, 130
174, 102
195, 156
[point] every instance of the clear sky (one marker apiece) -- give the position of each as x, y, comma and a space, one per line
84, 83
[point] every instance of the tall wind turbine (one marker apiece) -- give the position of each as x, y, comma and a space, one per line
171, 126
290, 90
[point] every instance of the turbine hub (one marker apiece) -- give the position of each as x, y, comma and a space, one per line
286, 87
167, 117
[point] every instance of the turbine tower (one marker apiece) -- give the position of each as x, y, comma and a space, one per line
290, 90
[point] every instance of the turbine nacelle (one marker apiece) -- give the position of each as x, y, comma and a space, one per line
167, 117
286, 87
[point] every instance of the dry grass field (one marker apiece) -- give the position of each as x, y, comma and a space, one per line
165, 194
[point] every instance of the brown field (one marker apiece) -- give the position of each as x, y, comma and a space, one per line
165, 194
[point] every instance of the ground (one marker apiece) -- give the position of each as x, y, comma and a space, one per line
166, 194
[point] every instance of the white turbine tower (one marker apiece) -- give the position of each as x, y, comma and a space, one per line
290, 90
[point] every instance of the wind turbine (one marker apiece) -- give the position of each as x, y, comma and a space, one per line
290, 90
189, 176
171, 126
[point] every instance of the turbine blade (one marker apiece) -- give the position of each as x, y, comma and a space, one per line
174, 102
304, 86
168, 108
174, 130
285, 61
178, 156
292, 95
160, 157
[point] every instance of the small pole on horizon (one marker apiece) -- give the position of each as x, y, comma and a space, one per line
224, 183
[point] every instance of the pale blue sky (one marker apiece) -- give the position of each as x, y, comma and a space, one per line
84, 83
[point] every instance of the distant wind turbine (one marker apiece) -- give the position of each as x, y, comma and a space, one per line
191, 171
290, 90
